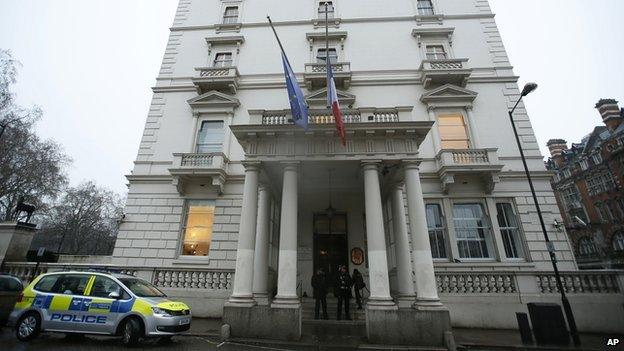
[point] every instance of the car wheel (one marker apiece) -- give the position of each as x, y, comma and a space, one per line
28, 327
131, 332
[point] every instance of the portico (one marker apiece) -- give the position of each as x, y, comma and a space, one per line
378, 164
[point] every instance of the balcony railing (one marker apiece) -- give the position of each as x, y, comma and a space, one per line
189, 167
281, 117
316, 74
445, 71
483, 162
216, 78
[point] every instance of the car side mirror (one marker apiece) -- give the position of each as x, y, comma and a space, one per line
114, 295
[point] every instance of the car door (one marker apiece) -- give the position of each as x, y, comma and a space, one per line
100, 317
69, 305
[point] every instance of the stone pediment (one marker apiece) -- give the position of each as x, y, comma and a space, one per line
214, 99
449, 94
319, 97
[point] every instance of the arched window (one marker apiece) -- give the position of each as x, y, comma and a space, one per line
587, 246
618, 241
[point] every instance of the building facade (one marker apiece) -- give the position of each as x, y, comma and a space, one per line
589, 185
232, 208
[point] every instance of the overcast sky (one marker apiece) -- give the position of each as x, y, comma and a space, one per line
90, 65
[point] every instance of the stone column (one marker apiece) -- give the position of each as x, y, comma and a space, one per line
435, 133
377, 259
287, 270
426, 287
243, 278
402, 247
474, 136
261, 257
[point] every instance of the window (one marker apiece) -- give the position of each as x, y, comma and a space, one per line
197, 227
141, 288
210, 137
223, 59
597, 158
571, 197
584, 164
330, 10
71, 284
604, 211
453, 132
103, 287
321, 56
47, 283
471, 230
230, 15
600, 182
620, 203
567, 173
436, 52
618, 242
425, 8
437, 230
587, 247
508, 223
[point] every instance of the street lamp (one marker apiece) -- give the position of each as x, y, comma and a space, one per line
529, 88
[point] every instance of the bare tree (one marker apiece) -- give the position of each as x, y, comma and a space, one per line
83, 221
30, 168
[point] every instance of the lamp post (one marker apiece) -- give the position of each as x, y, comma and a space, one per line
529, 88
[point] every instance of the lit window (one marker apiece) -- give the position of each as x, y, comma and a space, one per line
618, 242
587, 247
510, 231
471, 230
321, 56
437, 230
198, 227
425, 7
453, 132
330, 9
230, 15
210, 137
436, 52
223, 59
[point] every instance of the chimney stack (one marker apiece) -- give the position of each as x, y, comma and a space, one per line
610, 113
556, 147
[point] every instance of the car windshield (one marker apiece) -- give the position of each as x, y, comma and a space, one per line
141, 288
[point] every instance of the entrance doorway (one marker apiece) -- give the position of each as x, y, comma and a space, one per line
331, 245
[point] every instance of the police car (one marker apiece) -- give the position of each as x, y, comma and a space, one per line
97, 303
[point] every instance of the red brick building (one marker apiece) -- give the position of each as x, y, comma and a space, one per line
589, 186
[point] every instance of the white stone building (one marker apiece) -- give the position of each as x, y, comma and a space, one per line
227, 201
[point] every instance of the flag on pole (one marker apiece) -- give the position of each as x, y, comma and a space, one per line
332, 102
298, 105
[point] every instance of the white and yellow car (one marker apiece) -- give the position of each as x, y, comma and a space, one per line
97, 303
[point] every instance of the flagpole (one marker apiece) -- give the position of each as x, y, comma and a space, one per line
279, 42
327, 46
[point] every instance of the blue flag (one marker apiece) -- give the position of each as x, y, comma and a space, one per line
295, 95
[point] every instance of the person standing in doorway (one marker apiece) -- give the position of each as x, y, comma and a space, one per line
319, 286
358, 285
343, 291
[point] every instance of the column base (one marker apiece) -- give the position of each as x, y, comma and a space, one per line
380, 304
241, 301
408, 327
286, 302
263, 322
262, 299
405, 301
429, 305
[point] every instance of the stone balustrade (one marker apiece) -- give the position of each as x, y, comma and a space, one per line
349, 116
216, 78
445, 71
193, 279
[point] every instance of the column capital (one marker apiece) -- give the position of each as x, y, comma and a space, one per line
251, 165
290, 165
370, 164
411, 164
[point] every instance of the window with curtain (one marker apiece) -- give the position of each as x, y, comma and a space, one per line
425, 7
436, 52
223, 59
197, 229
321, 9
453, 132
210, 137
321, 56
437, 230
472, 230
230, 15
510, 230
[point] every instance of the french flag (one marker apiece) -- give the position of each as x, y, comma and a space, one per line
332, 102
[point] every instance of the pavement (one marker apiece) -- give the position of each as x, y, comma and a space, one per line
318, 336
